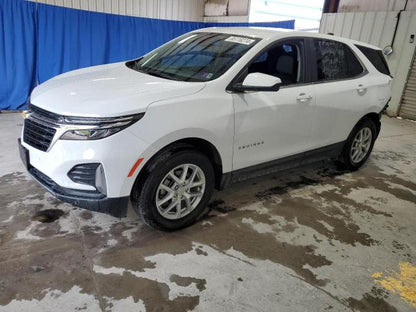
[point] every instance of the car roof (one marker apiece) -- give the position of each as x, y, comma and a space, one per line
272, 34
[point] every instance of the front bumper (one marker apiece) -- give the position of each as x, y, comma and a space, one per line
116, 154
88, 199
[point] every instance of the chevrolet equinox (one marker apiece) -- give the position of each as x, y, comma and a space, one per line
212, 107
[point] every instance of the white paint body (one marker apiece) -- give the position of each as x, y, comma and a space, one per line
292, 120
378, 28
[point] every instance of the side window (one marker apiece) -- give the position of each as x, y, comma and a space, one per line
335, 61
376, 58
283, 61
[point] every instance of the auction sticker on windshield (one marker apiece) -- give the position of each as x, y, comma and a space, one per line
241, 40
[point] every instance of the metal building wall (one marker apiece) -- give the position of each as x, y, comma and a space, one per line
226, 19
377, 28
408, 105
226, 11
185, 10
375, 5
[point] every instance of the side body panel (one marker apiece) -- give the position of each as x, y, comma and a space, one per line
207, 115
271, 125
341, 104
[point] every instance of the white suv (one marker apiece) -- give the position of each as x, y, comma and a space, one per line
212, 107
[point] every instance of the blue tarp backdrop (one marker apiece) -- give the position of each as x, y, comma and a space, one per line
40, 41
17, 52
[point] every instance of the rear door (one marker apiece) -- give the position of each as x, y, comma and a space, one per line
341, 88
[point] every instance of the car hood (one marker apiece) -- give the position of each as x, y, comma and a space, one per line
107, 91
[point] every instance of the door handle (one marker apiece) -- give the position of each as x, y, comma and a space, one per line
361, 90
303, 98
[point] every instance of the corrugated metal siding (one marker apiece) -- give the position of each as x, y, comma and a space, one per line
226, 19
377, 28
375, 5
408, 105
184, 10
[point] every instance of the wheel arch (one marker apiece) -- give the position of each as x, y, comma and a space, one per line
195, 143
371, 116
345, 156
375, 118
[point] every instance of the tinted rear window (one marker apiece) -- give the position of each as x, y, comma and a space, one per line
335, 61
376, 58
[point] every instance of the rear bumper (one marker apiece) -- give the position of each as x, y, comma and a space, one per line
90, 200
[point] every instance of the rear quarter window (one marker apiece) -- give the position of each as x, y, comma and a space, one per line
376, 58
335, 61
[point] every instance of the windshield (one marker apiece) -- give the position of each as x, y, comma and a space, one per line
194, 57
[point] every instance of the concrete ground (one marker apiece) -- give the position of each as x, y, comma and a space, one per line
312, 239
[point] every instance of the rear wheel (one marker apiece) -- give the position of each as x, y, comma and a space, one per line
175, 190
359, 144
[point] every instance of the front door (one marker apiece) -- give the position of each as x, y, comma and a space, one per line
273, 125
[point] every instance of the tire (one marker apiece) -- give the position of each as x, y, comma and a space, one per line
359, 145
164, 215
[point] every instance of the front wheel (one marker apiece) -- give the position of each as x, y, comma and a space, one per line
359, 145
176, 190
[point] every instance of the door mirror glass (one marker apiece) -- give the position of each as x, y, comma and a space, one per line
387, 50
259, 82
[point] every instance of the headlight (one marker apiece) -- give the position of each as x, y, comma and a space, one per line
90, 128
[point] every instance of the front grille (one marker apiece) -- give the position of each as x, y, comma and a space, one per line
44, 115
38, 135
84, 173
40, 127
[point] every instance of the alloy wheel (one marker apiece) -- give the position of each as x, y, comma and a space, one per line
180, 191
361, 145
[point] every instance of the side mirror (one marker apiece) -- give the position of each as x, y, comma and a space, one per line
258, 82
387, 50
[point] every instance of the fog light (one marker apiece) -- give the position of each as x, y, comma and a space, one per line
100, 182
84, 173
